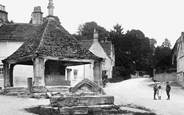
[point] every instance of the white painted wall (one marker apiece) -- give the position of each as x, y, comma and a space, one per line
97, 49
84, 71
7, 48
21, 72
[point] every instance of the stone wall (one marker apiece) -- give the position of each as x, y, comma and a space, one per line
163, 77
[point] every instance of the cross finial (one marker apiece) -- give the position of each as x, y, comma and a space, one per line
50, 8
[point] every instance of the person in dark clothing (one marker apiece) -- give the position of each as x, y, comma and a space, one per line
155, 88
168, 89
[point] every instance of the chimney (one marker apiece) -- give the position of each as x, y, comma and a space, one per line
37, 16
3, 14
50, 8
95, 36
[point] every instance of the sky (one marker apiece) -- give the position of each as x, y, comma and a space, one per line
158, 19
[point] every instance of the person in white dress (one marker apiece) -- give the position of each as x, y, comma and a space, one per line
159, 92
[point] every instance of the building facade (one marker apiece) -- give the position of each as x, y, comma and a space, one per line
178, 56
104, 50
25, 48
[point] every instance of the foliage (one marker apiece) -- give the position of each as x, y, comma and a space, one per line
133, 50
162, 58
85, 31
166, 43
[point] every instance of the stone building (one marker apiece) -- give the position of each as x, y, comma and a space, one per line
104, 50
178, 56
46, 47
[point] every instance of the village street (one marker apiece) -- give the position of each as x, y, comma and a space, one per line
138, 92
134, 91
12, 105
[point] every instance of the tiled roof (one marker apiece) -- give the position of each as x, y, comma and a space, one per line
105, 45
87, 43
16, 32
51, 39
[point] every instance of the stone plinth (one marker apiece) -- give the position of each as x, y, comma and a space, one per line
81, 101
78, 110
91, 110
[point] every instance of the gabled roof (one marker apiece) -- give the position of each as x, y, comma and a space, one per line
16, 32
105, 45
177, 46
51, 40
87, 43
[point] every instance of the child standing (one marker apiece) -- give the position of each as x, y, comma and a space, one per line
159, 92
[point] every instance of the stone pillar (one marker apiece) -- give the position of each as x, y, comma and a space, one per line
98, 72
6, 75
11, 74
38, 70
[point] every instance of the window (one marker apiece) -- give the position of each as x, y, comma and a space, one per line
75, 73
103, 63
1, 70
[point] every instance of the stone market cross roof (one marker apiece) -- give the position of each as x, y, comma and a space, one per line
47, 40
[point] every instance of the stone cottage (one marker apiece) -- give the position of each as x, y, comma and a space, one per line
104, 50
178, 56
48, 48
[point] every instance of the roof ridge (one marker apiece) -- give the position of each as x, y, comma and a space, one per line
102, 49
41, 41
19, 24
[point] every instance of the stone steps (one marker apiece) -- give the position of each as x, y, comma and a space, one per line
15, 90
37, 91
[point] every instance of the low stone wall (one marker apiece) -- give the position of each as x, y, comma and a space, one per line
164, 77
81, 101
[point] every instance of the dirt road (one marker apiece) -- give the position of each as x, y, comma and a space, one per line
12, 105
138, 92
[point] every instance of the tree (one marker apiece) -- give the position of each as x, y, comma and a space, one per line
85, 31
166, 43
139, 49
132, 50
153, 42
118, 29
162, 59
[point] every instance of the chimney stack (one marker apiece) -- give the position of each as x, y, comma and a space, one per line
3, 14
95, 36
50, 8
37, 16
